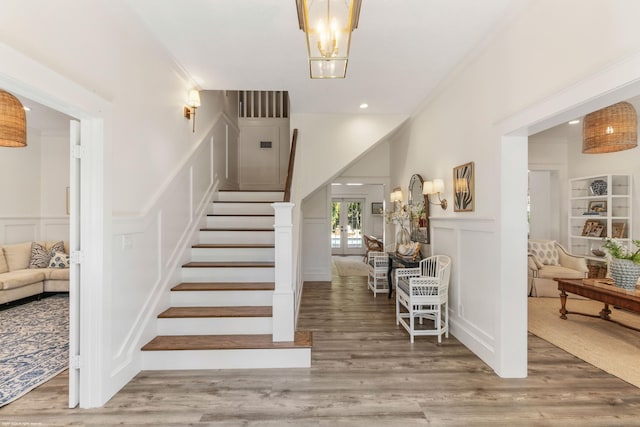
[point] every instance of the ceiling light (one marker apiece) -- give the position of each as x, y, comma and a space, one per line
13, 121
574, 122
354, 183
364, 105
614, 128
26, 108
328, 25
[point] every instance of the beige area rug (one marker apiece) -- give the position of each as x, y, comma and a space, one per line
606, 345
349, 265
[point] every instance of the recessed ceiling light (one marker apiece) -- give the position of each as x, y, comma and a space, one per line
574, 122
354, 183
336, 183
364, 105
26, 108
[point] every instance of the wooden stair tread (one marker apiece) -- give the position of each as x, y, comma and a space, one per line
302, 339
251, 191
247, 201
200, 312
228, 264
234, 245
237, 229
241, 215
222, 286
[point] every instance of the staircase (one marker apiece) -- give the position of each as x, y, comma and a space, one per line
221, 314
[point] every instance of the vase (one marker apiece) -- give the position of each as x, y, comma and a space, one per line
625, 273
402, 237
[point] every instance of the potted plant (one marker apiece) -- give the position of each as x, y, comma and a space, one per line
399, 217
624, 264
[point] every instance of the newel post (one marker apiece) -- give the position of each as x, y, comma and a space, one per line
283, 305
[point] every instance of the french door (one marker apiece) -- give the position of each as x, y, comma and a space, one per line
346, 226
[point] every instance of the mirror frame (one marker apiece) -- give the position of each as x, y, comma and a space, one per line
418, 235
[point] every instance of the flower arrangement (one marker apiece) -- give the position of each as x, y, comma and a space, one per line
617, 249
398, 216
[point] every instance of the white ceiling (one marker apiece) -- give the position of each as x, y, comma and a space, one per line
399, 53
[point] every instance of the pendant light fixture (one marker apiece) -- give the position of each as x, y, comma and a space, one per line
328, 25
614, 128
13, 121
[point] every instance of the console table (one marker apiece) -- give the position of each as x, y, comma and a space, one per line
598, 290
394, 258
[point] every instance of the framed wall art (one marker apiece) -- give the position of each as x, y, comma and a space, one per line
463, 188
377, 208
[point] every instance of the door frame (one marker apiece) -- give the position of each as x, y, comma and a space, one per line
344, 247
26, 77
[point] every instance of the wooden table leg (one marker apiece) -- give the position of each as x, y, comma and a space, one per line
605, 312
563, 304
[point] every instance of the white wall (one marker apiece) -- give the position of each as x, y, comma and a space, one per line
518, 67
372, 169
34, 194
117, 74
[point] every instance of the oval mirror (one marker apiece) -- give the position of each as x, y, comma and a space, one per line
419, 208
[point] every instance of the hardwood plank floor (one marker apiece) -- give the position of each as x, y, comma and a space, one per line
364, 373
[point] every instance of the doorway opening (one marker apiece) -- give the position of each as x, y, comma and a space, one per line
346, 226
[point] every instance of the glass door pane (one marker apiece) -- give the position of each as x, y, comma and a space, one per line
346, 226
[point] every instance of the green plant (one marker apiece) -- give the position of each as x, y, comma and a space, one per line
618, 249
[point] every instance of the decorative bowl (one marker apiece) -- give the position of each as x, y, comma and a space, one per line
598, 252
599, 187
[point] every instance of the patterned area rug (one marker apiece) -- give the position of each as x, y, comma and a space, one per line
350, 265
34, 345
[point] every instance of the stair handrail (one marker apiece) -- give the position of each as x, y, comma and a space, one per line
292, 157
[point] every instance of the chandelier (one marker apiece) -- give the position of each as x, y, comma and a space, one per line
614, 128
328, 25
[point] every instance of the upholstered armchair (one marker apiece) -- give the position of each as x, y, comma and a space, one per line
547, 259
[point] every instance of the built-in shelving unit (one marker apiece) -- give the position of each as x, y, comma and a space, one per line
599, 206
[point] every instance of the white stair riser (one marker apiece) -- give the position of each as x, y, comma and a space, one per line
250, 196
221, 298
237, 237
228, 274
226, 359
233, 254
241, 208
240, 221
215, 326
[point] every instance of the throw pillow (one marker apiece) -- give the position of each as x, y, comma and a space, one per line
59, 260
545, 251
39, 256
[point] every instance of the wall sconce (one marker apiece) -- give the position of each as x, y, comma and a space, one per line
435, 187
193, 103
396, 197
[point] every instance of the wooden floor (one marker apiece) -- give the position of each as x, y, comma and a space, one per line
364, 373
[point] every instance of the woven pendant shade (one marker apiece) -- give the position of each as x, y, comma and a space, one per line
13, 121
614, 128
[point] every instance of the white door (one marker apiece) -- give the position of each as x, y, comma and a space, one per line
346, 226
74, 273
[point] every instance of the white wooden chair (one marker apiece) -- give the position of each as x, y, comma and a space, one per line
378, 264
423, 292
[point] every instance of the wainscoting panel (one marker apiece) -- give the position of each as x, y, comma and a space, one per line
27, 229
148, 250
317, 255
472, 245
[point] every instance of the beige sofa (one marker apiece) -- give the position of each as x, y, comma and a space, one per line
17, 280
548, 259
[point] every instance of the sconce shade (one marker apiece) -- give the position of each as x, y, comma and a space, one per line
427, 187
194, 98
614, 128
13, 121
438, 186
328, 25
396, 195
